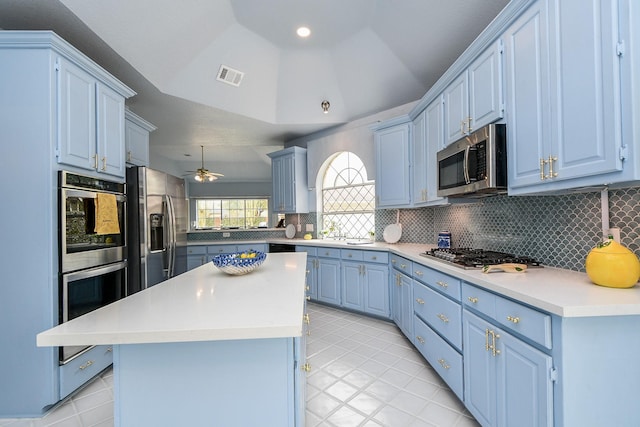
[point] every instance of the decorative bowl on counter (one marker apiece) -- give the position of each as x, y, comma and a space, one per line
239, 263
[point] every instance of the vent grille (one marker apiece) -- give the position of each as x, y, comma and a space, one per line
230, 76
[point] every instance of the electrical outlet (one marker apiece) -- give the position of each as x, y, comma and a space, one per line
309, 227
615, 232
299, 227
226, 234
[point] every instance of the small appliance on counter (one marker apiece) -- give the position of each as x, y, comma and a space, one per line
469, 259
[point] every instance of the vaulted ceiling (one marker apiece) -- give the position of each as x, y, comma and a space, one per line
363, 56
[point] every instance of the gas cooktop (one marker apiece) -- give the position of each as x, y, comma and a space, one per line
477, 258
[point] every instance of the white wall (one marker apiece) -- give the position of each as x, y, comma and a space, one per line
355, 136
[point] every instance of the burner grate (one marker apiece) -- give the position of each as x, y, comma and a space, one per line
477, 258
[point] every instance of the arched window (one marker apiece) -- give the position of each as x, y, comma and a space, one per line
348, 198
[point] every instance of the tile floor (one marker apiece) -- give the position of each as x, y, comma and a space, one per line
364, 373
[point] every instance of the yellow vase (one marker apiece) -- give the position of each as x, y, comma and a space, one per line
611, 264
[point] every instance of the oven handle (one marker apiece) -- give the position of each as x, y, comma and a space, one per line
68, 192
92, 272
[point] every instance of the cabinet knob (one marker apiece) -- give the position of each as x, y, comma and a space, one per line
306, 318
513, 319
442, 317
443, 363
419, 273
419, 300
403, 265
473, 300
374, 258
350, 256
442, 284
420, 339
104, 163
308, 298
306, 367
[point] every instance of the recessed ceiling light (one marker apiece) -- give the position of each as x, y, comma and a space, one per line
303, 32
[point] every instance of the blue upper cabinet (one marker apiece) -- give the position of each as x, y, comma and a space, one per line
563, 62
393, 153
428, 138
289, 177
91, 121
475, 97
137, 139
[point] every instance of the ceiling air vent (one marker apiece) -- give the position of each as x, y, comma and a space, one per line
230, 76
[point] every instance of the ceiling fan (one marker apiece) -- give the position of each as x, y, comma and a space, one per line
203, 174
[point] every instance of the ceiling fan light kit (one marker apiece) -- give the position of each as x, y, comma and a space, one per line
202, 174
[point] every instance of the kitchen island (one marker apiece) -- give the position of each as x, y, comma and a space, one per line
205, 348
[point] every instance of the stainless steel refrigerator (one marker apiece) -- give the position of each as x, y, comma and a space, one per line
157, 227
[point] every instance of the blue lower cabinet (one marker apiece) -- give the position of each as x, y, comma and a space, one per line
376, 290
507, 382
329, 281
84, 367
444, 359
353, 286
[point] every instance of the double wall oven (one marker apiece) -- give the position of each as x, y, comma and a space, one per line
93, 266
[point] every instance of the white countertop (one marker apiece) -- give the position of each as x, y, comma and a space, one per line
565, 293
203, 304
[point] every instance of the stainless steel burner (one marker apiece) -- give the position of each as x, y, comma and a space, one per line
469, 258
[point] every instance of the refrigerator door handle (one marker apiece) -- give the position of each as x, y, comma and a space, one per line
172, 236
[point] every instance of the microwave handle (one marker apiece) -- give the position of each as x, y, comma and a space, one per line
465, 165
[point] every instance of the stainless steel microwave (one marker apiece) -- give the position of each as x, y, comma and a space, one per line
475, 165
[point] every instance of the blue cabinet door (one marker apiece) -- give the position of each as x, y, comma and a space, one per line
420, 165
77, 117
110, 131
524, 387
527, 96
352, 286
456, 109
479, 370
586, 83
376, 289
393, 175
312, 278
434, 140
506, 382
329, 281
485, 88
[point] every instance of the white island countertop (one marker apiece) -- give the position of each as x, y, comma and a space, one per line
203, 304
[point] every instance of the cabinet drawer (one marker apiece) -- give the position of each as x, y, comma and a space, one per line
402, 264
196, 250
329, 252
443, 283
526, 321
84, 367
446, 361
442, 314
351, 255
221, 249
480, 300
311, 251
379, 257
